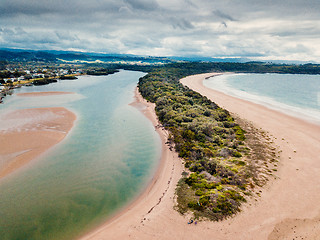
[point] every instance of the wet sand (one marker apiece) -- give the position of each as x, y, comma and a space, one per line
26, 134
287, 209
40, 94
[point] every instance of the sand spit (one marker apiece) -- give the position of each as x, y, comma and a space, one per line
287, 209
26, 134
41, 94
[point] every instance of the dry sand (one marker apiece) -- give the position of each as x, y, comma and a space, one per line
26, 134
289, 205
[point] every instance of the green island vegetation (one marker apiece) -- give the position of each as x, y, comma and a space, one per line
224, 160
101, 71
68, 77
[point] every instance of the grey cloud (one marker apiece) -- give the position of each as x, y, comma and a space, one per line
14, 7
180, 27
58, 7
181, 23
65, 35
134, 42
224, 24
222, 15
190, 3
125, 10
146, 5
306, 31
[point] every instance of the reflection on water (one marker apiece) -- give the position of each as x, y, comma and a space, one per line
106, 159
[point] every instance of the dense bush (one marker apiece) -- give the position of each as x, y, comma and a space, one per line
206, 137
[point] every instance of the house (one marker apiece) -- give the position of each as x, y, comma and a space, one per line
38, 75
21, 78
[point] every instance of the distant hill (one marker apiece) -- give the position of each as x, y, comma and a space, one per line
21, 55
82, 57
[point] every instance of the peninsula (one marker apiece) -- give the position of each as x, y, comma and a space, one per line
278, 213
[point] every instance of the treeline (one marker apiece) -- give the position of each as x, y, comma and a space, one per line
68, 77
43, 81
189, 68
101, 71
8, 74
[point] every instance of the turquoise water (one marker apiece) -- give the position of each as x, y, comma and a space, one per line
105, 161
294, 94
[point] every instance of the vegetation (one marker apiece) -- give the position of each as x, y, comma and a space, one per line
101, 71
68, 77
209, 140
43, 81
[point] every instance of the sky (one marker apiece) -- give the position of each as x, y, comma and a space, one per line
255, 29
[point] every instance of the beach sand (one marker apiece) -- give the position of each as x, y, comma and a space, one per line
287, 209
26, 134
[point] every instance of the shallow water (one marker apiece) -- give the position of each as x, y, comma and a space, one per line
105, 161
295, 94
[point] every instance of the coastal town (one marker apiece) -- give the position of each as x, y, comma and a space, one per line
12, 77
16, 77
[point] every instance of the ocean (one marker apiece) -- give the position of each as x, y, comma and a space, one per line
297, 95
101, 166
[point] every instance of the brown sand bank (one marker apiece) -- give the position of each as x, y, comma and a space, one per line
27, 133
288, 208
40, 94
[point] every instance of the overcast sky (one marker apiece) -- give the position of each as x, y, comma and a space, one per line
260, 29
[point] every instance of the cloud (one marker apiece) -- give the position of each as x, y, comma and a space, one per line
181, 23
261, 29
222, 15
190, 3
145, 5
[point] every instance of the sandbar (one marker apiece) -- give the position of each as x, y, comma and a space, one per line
27, 133
287, 209
41, 94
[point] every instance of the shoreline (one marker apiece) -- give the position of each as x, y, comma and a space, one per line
298, 140
162, 184
26, 134
309, 114
288, 207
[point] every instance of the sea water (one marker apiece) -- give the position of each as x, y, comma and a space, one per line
294, 94
103, 163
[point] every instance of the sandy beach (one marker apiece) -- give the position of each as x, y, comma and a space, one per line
27, 133
287, 209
